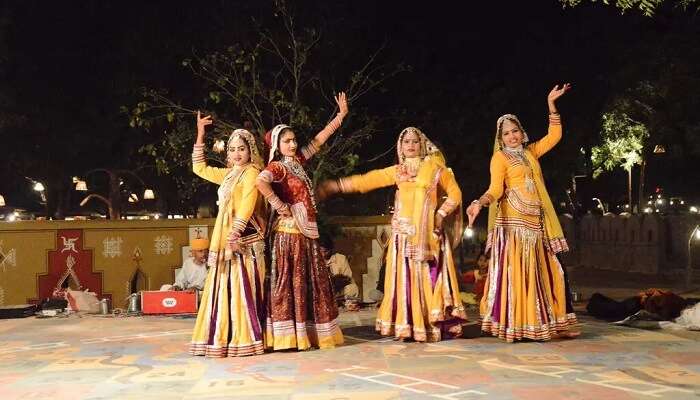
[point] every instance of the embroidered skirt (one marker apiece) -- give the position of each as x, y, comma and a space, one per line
421, 298
302, 310
525, 295
232, 308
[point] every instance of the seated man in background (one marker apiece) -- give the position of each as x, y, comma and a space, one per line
341, 274
193, 273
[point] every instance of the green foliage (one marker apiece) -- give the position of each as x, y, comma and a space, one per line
622, 144
258, 86
647, 7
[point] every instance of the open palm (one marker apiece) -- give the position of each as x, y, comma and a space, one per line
557, 92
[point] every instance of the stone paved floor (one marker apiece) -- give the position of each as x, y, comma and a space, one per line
93, 357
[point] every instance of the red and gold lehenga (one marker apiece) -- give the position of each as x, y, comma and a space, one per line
302, 310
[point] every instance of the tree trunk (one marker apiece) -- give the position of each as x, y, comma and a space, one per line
642, 172
114, 205
629, 188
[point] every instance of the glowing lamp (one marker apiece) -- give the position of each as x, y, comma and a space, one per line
469, 232
219, 146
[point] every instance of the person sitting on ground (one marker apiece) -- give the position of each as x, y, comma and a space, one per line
346, 289
193, 273
477, 278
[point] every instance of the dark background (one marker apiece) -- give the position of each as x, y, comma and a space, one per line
67, 67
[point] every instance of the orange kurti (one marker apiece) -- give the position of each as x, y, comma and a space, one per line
525, 291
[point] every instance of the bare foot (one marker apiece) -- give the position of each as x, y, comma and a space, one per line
566, 335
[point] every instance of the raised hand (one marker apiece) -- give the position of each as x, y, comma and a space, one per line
342, 101
557, 92
202, 123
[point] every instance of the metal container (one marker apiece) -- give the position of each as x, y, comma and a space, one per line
104, 307
134, 303
575, 296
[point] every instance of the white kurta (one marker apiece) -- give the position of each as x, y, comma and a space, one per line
338, 265
191, 275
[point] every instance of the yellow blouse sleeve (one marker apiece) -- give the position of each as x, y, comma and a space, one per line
212, 174
454, 195
200, 167
540, 147
498, 168
245, 205
369, 181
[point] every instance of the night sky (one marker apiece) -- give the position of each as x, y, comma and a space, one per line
67, 67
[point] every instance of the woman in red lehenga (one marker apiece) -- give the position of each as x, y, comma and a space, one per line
303, 313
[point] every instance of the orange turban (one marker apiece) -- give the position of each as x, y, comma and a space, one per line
199, 244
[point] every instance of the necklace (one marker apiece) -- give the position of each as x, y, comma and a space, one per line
519, 153
408, 169
297, 169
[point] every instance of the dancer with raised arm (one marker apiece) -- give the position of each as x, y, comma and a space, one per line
525, 294
232, 312
303, 313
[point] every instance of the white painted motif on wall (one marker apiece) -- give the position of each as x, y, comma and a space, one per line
2, 296
69, 244
7, 258
112, 247
70, 271
163, 244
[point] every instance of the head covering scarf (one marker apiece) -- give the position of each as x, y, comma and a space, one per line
427, 148
553, 232
249, 138
499, 125
273, 139
231, 177
432, 163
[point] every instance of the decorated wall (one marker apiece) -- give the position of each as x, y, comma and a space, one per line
116, 258
363, 241
110, 258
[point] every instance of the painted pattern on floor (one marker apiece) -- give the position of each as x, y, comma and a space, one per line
92, 357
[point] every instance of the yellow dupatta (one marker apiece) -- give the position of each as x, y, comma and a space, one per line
424, 244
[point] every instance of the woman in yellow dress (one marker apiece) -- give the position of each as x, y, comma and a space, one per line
421, 293
232, 311
525, 294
